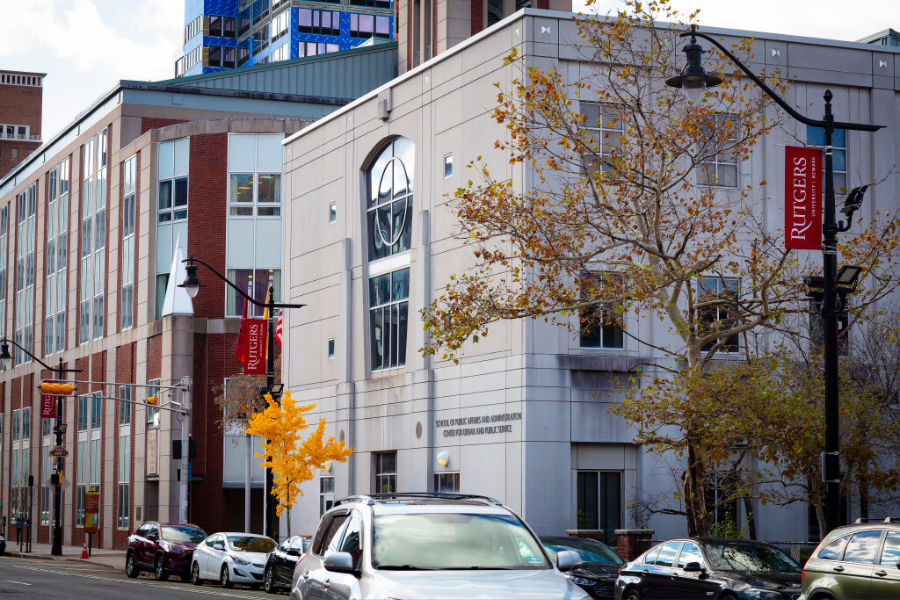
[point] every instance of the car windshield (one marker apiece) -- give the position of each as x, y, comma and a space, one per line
251, 543
440, 541
750, 558
590, 551
183, 534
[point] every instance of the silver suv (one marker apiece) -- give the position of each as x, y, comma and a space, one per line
429, 546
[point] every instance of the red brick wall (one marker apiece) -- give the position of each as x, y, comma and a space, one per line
125, 374
545, 4
23, 148
148, 123
21, 105
208, 214
477, 16
154, 357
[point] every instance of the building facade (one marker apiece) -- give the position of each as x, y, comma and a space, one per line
21, 103
524, 415
92, 223
225, 34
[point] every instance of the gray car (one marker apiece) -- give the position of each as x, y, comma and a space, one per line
429, 546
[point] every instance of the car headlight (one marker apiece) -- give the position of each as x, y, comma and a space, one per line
177, 549
581, 580
240, 561
763, 594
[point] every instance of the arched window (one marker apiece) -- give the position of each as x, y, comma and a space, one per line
389, 232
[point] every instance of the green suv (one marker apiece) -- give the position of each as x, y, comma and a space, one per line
860, 561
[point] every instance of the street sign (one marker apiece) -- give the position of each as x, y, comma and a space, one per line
49, 483
91, 510
59, 451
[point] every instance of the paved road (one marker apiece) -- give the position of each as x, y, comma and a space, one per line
30, 578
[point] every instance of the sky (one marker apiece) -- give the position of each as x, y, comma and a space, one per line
86, 46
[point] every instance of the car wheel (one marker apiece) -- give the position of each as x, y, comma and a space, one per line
224, 579
130, 568
159, 571
195, 574
269, 581
632, 594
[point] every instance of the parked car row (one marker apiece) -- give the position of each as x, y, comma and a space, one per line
456, 545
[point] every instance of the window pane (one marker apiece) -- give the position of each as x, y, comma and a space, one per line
376, 335
181, 191
863, 546
165, 195
241, 189
269, 188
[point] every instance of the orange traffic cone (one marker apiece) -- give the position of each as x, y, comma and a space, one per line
84, 553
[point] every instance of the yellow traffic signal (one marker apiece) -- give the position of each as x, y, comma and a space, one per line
152, 400
57, 389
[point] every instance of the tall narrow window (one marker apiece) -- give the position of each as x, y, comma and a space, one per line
815, 136
57, 258
389, 232
720, 167
4, 238
718, 294
386, 472
600, 324
128, 218
173, 160
153, 413
604, 126
25, 234
93, 239
123, 495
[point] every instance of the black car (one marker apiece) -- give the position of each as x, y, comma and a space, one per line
597, 574
710, 568
281, 562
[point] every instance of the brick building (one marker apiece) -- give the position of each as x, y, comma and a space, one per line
89, 225
21, 96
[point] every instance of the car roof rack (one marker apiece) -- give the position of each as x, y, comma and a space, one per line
877, 520
372, 498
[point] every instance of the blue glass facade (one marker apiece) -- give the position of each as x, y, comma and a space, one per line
224, 34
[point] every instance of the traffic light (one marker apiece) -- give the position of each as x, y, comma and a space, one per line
152, 400
56, 478
57, 389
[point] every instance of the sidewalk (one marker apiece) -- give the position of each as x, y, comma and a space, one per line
114, 559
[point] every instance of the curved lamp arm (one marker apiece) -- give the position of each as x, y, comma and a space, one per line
191, 260
778, 99
35, 358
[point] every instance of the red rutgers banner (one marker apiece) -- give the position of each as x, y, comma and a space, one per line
48, 405
802, 198
253, 336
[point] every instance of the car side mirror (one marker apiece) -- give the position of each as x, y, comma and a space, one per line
340, 562
693, 567
151, 537
293, 552
568, 560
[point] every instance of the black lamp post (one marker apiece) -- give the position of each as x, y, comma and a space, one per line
694, 81
191, 284
59, 430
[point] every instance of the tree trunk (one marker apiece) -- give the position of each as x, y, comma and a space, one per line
695, 491
751, 519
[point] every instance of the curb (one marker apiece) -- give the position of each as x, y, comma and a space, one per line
60, 558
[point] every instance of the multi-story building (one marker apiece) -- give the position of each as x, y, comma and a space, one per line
524, 415
89, 226
224, 34
21, 98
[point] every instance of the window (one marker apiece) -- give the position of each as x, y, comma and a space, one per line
25, 243
194, 28
446, 483
368, 26
326, 494
494, 11
689, 553
123, 496
153, 413
172, 209
600, 324
448, 166
260, 41
125, 406
215, 26
128, 228
720, 168
83, 411
835, 549
815, 136
57, 258
332, 212
93, 239
255, 194
599, 500
305, 49
173, 197
283, 52
890, 555
720, 291
388, 319
331, 349
386, 472
14, 153
256, 284
320, 22
4, 238
604, 126
385, 4
863, 547
667, 554
279, 25
21, 425
221, 56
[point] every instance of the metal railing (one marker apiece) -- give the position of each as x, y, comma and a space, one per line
31, 138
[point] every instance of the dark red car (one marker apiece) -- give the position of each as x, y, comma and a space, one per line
163, 548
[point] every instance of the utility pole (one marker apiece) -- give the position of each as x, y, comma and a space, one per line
185, 445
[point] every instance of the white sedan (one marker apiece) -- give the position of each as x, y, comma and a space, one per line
231, 558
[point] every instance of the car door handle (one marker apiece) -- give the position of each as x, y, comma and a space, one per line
881, 573
306, 575
838, 568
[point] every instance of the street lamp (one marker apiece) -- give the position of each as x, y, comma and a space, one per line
192, 285
59, 430
694, 81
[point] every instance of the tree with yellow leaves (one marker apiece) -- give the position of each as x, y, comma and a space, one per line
292, 459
